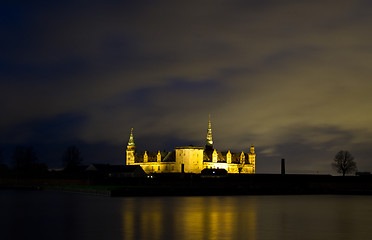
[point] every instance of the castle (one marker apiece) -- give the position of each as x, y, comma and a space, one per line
191, 159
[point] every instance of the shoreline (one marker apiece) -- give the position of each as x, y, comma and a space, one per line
196, 185
177, 192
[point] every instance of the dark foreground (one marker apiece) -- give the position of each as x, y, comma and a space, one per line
45, 215
197, 185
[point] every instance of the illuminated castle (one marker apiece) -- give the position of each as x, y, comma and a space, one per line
191, 159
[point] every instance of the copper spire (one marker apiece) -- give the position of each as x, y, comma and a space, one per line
209, 142
131, 140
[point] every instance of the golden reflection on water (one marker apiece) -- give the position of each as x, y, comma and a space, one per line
188, 218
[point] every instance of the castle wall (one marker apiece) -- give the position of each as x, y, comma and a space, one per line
192, 165
158, 167
191, 158
231, 167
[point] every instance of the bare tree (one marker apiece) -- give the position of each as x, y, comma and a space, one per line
24, 157
1, 156
344, 163
3, 167
72, 158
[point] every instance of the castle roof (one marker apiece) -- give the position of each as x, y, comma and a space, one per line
189, 147
170, 157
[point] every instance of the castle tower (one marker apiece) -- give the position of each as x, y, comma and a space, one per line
228, 157
214, 156
242, 158
252, 158
131, 149
209, 142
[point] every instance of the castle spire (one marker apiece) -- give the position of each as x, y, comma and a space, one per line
252, 149
209, 142
131, 150
131, 140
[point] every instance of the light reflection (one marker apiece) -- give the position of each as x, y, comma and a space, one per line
188, 218
128, 225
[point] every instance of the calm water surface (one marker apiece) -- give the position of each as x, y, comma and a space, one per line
58, 215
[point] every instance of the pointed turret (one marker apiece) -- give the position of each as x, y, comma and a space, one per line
252, 158
131, 149
228, 157
209, 142
131, 140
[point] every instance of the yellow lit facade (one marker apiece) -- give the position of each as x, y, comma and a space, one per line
191, 159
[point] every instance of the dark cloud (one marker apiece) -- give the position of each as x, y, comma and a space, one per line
292, 77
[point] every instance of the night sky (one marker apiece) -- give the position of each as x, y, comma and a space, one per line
291, 77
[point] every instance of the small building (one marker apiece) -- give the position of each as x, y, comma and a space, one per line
116, 171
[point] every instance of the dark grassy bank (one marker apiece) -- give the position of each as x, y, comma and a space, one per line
249, 185
198, 185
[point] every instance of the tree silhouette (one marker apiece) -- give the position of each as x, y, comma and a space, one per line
344, 163
72, 158
25, 162
1, 158
24, 157
3, 167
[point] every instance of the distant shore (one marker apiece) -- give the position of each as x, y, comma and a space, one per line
197, 185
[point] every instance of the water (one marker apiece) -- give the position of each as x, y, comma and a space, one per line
58, 215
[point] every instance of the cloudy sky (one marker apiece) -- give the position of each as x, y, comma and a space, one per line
291, 77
